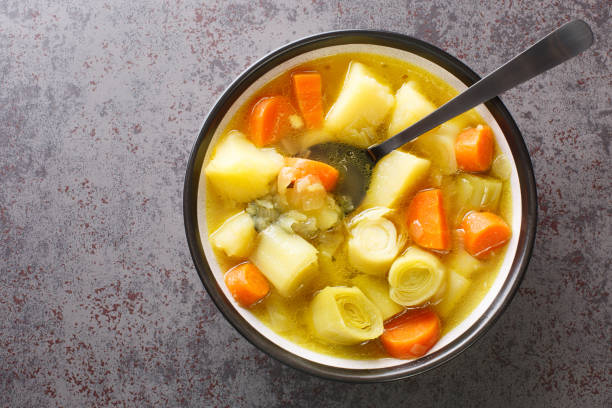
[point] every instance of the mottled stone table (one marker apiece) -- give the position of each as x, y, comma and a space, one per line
100, 103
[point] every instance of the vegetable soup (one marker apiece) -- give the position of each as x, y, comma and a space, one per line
387, 277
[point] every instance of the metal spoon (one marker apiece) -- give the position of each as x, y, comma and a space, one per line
355, 164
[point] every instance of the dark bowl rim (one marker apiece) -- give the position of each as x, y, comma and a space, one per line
502, 117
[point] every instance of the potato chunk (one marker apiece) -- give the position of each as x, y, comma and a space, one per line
327, 216
395, 176
377, 290
236, 236
363, 104
416, 277
286, 259
456, 289
410, 107
240, 171
463, 263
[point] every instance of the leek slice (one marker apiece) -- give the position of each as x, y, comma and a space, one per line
479, 193
373, 242
416, 277
345, 315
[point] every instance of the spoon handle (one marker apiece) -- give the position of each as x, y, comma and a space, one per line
562, 44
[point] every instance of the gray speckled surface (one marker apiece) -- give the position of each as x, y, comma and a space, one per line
100, 103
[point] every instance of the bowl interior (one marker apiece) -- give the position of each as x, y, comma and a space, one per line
455, 73
515, 224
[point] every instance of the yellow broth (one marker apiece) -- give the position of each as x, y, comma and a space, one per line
288, 316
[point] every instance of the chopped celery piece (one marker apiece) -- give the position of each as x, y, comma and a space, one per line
295, 221
475, 193
264, 211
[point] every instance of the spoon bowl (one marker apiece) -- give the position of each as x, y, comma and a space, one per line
354, 164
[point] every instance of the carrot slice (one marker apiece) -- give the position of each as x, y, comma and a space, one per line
427, 221
474, 149
411, 334
307, 87
269, 121
303, 167
484, 231
246, 284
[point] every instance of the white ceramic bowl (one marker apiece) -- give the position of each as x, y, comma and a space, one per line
508, 138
